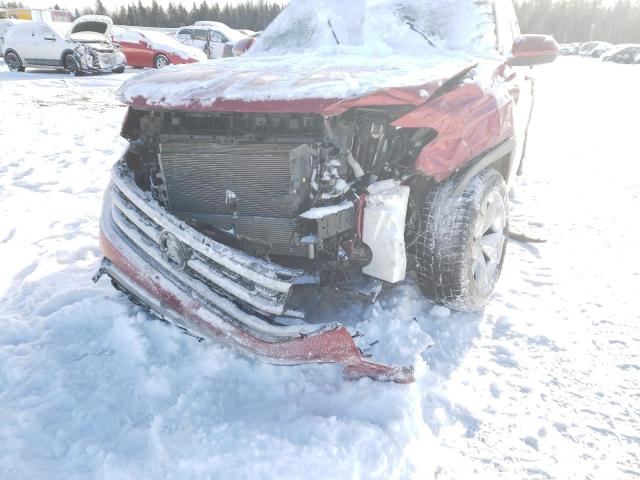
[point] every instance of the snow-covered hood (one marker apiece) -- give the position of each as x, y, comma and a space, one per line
286, 78
332, 49
91, 28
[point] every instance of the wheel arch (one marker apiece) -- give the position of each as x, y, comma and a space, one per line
12, 50
63, 55
160, 53
500, 158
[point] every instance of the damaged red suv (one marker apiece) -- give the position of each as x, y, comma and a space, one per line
354, 142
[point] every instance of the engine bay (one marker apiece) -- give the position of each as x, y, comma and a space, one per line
289, 187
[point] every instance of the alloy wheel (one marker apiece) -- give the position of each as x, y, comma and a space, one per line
13, 62
489, 237
161, 61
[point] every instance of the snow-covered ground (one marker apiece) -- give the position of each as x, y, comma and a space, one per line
545, 383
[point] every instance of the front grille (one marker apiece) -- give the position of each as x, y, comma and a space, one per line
255, 284
198, 173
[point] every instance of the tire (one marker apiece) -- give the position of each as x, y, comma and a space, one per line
12, 59
459, 250
71, 64
161, 61
118, 70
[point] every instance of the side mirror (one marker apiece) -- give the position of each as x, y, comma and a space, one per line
529, 50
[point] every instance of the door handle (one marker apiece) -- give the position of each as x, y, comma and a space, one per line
50, 38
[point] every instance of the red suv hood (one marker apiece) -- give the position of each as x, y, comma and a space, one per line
327, 85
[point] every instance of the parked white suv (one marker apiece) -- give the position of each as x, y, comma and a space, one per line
213, 38
83, 46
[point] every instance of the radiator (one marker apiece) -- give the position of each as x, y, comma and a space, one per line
198, 172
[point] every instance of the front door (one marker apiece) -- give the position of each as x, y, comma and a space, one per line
47, 47
217, 43
200, 40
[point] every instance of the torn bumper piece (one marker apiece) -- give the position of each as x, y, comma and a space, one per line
215, 291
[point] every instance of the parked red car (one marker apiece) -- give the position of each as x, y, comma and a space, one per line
148, 48
330, 154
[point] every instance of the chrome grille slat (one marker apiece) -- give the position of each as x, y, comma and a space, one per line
273, 305
251, 269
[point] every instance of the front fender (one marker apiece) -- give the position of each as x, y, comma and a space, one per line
469, 122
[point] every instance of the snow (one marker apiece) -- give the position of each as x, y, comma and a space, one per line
380, 45
289, 77
542, 384
320, 212
379, 27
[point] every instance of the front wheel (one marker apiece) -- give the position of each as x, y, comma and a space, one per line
463, 240
71, 64
13, 62
161, 61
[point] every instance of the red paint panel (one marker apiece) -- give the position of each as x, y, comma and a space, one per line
137, 54
469, 121
535, 46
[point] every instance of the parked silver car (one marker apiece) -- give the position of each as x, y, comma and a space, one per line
83, 46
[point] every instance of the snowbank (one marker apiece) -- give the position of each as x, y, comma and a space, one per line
542, 384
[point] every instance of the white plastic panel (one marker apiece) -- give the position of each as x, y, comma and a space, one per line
383, 230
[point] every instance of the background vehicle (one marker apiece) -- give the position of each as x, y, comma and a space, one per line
628, 53
242, 46
83, 46
569, 49
145, 48
215, 39
327, 156
594, 49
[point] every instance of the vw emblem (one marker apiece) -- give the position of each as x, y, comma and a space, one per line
173, 251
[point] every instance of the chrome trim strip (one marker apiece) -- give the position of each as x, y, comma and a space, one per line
253, 269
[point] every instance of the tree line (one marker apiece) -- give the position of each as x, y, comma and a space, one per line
254, 15
566, 20
581, 20
251, 15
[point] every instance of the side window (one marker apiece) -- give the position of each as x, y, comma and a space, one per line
185, 33
22, 34
217, 37
43, 31
199, 34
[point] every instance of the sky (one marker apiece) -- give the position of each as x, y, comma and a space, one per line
110, 4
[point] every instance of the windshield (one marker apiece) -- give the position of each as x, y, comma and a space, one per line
380, 26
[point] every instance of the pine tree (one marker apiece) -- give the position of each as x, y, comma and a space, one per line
100, 10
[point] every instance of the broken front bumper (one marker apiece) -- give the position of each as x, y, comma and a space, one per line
216, 291
101, 62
